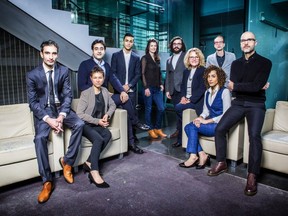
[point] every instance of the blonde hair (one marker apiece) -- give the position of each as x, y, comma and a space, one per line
198, 53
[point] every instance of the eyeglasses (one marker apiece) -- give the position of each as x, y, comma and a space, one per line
193, 57
218, 42
178, 44
247, 40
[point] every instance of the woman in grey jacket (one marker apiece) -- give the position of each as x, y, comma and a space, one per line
95, 108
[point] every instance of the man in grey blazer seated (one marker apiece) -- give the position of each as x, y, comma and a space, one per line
221, 58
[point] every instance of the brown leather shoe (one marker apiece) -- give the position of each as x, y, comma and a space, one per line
175, 134
67, 171
219, 168
160, 133
251, 186
45, 192
152, 134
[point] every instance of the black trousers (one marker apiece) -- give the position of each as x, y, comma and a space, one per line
254, 113
99, 137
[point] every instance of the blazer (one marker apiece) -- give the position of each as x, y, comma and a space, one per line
84, 71
229, 58
87, 103
38, 93
174, 76
119, 69
198, 87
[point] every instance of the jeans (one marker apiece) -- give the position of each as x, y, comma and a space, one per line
192, 132
156, 96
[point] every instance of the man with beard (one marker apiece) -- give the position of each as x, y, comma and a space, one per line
221, 58
174, 74
248, 76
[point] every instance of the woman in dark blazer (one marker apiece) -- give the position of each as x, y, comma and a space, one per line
192, 88
95, 108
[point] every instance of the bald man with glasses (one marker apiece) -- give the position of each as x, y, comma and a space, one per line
249, 75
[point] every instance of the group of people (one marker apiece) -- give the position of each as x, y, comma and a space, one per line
190, 83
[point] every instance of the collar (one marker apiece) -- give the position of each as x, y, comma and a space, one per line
216, 89
47, 69
101, 63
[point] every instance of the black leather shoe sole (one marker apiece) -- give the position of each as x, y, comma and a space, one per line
176, 145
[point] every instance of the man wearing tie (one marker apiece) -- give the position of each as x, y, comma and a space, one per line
49, 97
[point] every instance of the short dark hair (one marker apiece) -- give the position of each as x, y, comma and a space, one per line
49, 43
97, 69
128, 35
177, 38
98, 41
221, 75
221, 36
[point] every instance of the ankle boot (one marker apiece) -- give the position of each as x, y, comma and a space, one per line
160, 133
152, 134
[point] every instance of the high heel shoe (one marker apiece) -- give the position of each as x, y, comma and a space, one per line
86, 168
207, 163
192, 165
102, 185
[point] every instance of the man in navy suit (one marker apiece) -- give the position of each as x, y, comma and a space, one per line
121, 98
50, 96
125, 64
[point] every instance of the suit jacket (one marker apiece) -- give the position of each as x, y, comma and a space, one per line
87, 103
174, 76
229, 58
198, 87
84, 81
38, 93
119, 69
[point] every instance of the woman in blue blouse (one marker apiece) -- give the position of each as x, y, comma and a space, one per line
217, 100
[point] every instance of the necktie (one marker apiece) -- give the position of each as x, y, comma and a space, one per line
51, 95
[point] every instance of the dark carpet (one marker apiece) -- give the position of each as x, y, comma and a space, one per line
148, 184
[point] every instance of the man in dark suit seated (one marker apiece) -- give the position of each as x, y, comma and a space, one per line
121, 98
50, 96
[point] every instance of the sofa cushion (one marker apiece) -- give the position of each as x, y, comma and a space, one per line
275, 141
212, 139
281, 116
15, 121
115, 135
18, 149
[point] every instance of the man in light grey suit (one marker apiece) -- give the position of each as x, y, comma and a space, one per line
221, 58
174, 74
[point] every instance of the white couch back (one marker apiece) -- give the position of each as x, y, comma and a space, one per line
281, 116
15, 121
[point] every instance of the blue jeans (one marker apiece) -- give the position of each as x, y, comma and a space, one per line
156, 96
192, 132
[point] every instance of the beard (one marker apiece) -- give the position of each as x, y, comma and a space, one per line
176, 51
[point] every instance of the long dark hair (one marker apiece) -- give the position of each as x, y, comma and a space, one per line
183, 49
156, 54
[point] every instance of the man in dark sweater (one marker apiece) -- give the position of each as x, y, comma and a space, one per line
249, 74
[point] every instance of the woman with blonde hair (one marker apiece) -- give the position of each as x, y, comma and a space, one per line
192, 88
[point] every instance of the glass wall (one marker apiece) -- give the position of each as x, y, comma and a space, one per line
268, 20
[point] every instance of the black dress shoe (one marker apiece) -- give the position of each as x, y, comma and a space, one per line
86, 168
175, 145
136, 140
175, 134
207, 163
135, 149
102, 185
251, 186
142, 126
192, 165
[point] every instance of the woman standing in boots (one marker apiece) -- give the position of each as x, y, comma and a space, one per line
153, 88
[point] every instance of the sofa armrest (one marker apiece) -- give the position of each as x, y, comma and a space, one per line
267, 126
268, 121
188, 116
119, 120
